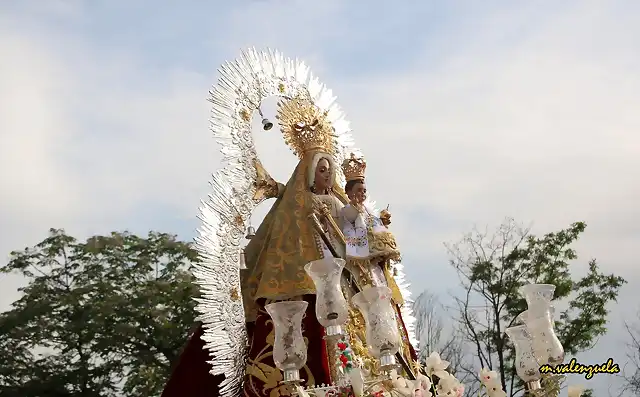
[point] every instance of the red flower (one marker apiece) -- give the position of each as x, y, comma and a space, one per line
342, 346
343, 358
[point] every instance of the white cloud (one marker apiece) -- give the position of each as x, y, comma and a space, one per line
524, 112
533, 129
88, 136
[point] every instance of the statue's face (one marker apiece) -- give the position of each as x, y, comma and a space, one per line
358, 192
322, 179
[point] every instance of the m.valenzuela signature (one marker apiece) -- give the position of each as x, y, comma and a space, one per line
573, 367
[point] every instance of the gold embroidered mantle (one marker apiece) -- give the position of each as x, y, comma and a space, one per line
284, 243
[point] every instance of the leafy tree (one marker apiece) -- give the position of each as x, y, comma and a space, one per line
103, 317
587, 393
492, 267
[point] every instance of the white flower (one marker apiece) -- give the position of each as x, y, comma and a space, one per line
487, 376
495, 390
411, 388
404, 391
459, 389
423, 382
575, 391
400, 384
446, 381
449, 393
490, 380
397, 380
449, 386
357, 381
436, 366
417, 388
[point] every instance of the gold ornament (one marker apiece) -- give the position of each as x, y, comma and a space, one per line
234, 294
304, 126
417, 367
244, 113
354, 167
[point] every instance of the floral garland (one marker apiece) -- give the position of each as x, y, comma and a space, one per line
345, 355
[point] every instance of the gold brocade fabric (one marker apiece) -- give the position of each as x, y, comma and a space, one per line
284, 243
396, 294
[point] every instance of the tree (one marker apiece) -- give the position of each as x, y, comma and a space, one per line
587, 393
104, 317
631, 377
432, 334
492, 267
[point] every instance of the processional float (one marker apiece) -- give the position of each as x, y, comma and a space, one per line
386, 363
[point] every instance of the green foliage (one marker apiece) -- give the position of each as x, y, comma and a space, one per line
103, 317
492, 268
587, 393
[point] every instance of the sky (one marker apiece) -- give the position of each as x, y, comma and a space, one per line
468, 112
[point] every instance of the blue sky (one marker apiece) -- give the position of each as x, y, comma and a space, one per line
467, 112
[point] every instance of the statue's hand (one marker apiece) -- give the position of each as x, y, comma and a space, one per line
319, 206
266, 186
266, 189
385, 217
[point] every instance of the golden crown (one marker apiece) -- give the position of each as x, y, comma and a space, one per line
354, 167
304, 126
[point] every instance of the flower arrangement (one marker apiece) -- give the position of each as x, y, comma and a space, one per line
424, 386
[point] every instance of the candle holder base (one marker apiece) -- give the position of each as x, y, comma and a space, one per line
533, 385
290, 376
387, 361
333, 331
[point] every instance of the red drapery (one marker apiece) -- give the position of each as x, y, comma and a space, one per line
191, 377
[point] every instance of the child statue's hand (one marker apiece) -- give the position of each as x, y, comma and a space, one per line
385, 217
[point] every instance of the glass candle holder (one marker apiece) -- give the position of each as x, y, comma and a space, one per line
382, 331
524, 317
527, 366
332, 309
289, 350
538, 297
547, 348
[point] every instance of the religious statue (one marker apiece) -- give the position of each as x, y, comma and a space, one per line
370, 246
311, 218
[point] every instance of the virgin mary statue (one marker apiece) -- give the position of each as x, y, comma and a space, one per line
303, 225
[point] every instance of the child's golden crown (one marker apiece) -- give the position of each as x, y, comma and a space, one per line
354, 167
